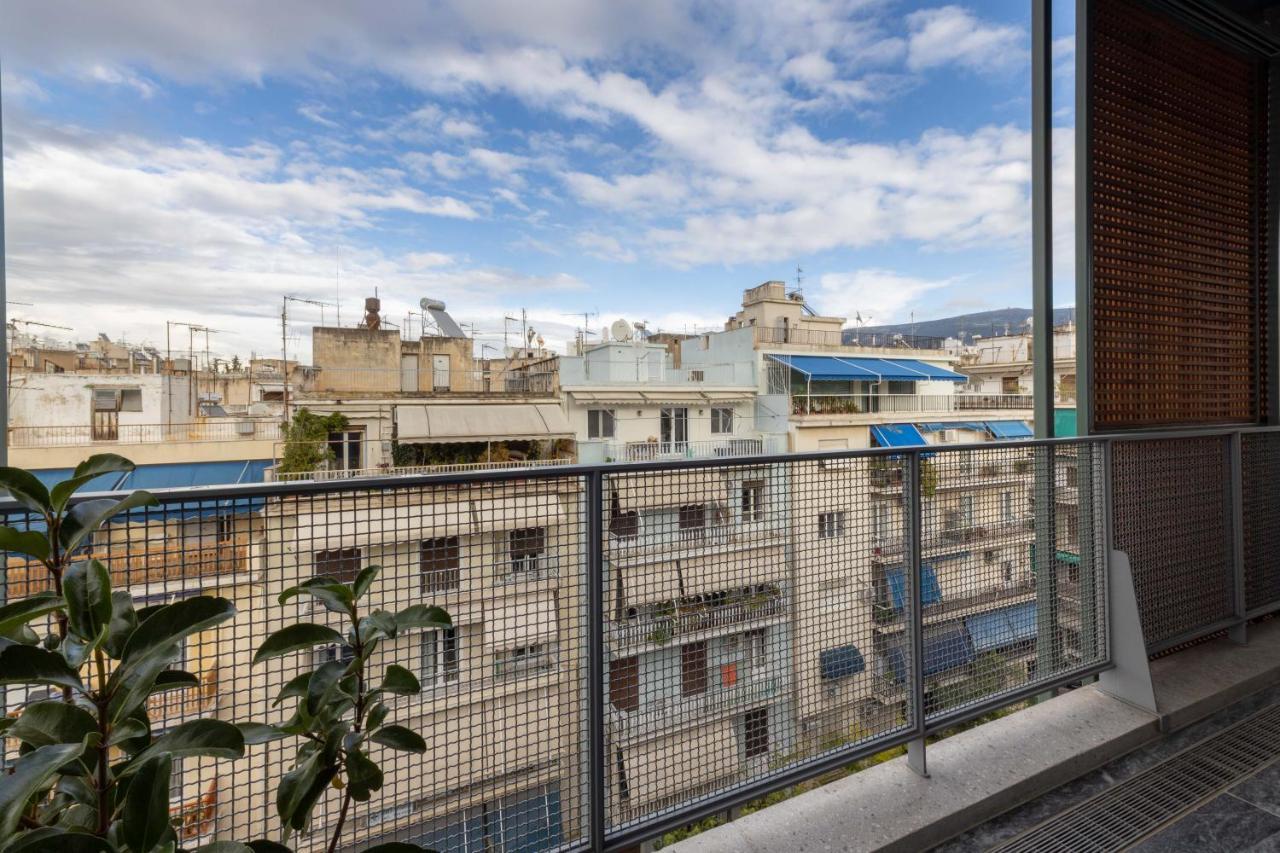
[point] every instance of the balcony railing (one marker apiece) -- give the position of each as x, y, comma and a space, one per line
870, 404
648, 451
994, 604
850, 338
328, 474
207, 430
377, 380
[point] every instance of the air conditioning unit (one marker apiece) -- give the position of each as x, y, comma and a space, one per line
245, 427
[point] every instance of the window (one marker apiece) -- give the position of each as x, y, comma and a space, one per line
600, 423
693, 669
756, 647
439, 657
106, 400
753, 500
673, 429
693, 521
624, 683
347, 448
524, 661
341, 564
1010, 385
756, 732
721, 420
776, 378
1006, 506
439, 560
899, 386
830, 524
880, 523
966, 511
527, 546
334, 652
131, 399
175, 781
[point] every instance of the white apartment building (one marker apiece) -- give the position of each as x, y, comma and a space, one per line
1001, 364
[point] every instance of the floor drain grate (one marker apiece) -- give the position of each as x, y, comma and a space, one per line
1128, 812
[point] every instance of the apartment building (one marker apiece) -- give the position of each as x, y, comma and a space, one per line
1001, 364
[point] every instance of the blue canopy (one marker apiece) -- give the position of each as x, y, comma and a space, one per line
170, 476
840, 661
830, 367
1009, 430
930, 592
1006, 626
898, 435
944, 649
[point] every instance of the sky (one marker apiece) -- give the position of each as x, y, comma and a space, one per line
644, 159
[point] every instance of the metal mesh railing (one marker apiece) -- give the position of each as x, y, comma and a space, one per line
633, 645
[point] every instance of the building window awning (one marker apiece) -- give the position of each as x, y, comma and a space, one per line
898, 435
930, 592
840, 662
944, 649
1009, 430
998, 629
833, 368
481, 422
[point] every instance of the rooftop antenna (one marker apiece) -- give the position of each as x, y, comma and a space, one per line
799, 277
506, 345
284, 341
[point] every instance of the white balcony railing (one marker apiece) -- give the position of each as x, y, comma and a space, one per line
107, 433
409, 470
684, 710
871, 404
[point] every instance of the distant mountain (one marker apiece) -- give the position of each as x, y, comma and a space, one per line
963, 326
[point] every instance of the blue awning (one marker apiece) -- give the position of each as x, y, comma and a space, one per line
833, 368
944, 649
188, 474
841, 661
1009, 430
898, 435
997, 629
930, 592
938, 426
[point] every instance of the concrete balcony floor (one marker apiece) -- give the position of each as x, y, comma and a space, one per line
992, 782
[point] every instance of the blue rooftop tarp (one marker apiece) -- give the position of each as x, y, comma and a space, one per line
1009, 430
833, 368
944, 649
1007, 626
898, 435
930, 592
840, 662
172, 476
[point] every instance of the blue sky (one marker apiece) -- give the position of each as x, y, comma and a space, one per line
640, 159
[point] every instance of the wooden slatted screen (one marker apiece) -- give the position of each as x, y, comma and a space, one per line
1178, 146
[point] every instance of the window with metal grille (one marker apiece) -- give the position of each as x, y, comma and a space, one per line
756, 646
106, 400
439, 657
624, 683
756, 732
692, 521
693, 669
600, 423
830, 524
341, 564
721, 420
524, 661
527, 546
753, 501
439, 561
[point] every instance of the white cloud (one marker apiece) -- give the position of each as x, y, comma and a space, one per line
953, 35
113, 76
316, 113
460, 128
604, 247
878, 295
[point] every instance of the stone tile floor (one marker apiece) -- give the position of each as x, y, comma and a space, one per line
1245, 817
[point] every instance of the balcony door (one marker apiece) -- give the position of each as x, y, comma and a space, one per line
674, 429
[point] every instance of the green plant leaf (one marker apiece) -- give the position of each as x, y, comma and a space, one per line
124, 619
145, 816
304, 635
19, 613
256, 733
86, 585
85, 518
76, 649
31, 773
53, 838
127, 730
296, 686
27, 542
91, 468
50, 722
30, 665
172, 622
173, 679
323, 684
25, 488
301, 787
364, 580
400, 681
363, 775
399, 738
214, 738
129, 686
334, 595
377, 625
377, 716
423, 616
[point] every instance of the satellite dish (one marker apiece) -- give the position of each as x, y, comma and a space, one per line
620, 330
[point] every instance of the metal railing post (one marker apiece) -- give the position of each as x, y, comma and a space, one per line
916, 747
1045, 566
1235, 511
597, 777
